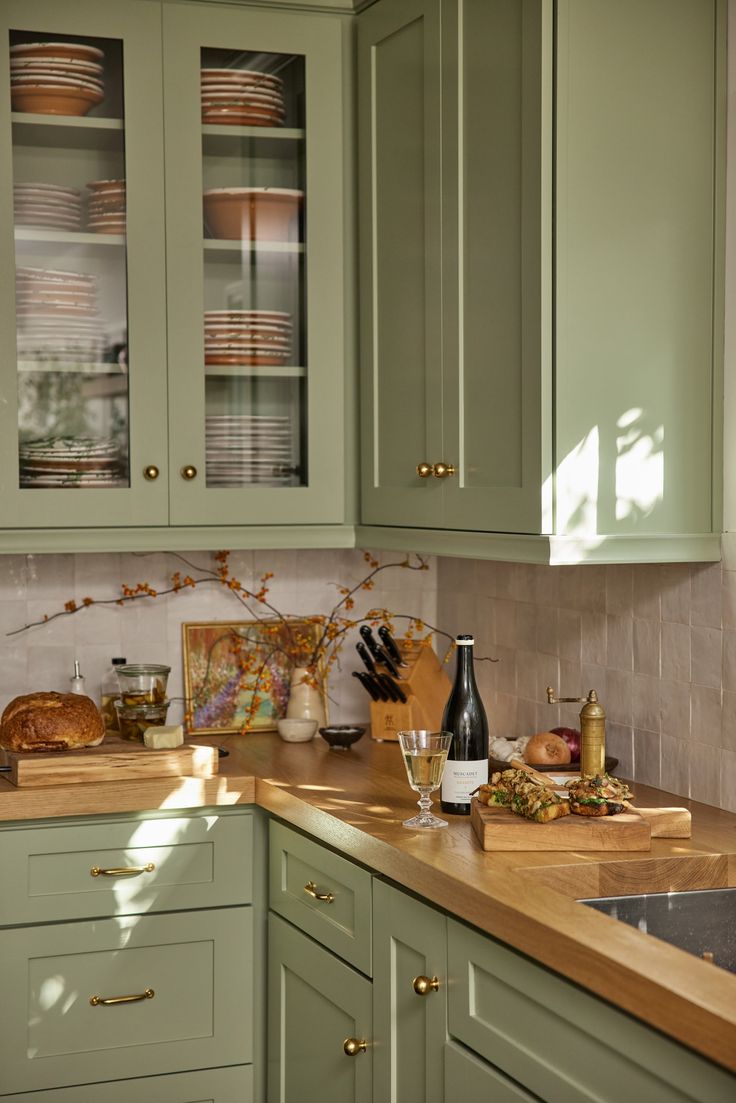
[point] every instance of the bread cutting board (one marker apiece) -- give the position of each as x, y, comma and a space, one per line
113, 760
501, 829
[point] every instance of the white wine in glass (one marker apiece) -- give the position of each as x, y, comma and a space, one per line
425, 754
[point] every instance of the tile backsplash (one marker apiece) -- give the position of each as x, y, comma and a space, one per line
149, 630
657, 642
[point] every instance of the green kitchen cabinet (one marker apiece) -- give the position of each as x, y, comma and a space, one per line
132, 951
185, 368
319, 1022
409, 998
541, 215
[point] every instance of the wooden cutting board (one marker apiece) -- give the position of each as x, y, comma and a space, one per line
113, 760
501, 829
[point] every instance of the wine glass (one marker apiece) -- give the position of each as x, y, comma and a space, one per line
425, 754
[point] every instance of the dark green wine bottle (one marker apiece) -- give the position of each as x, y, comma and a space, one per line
465, 717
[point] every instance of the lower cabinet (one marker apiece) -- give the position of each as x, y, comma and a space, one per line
319, 1020
471, 1080
233, 1085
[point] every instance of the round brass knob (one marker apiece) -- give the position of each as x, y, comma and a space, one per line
354, 1046
424, 470
424, 985
189, 472
151, 472
442, 470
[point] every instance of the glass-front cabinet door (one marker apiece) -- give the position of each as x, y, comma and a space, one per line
82, 376
254, 207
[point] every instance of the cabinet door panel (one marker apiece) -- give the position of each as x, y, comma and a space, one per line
409, 1029
256, 307
84, 413
496, 254
399, 71
637, 179
315, 1002
474, 1081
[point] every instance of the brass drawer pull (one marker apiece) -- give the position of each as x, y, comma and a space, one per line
311, 889
108, 1001
424, 985
125, 871
354, 1046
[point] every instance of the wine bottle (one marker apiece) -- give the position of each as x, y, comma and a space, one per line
465, 717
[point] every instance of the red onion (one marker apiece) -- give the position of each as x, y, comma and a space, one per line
572, 738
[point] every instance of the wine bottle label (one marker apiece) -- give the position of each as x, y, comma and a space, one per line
461, 778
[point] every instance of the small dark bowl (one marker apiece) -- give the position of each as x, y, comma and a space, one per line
341, 736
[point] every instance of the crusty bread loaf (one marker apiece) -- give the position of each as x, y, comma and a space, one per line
51, 722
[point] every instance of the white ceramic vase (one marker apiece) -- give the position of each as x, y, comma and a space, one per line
305, 700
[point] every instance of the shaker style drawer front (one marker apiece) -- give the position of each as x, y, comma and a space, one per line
560, 1042
325, 895
473, 1081
132, 996
233, 1085
125, 867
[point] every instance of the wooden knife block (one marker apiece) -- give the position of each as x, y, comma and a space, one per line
427, 687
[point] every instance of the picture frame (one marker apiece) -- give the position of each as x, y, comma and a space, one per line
218, 697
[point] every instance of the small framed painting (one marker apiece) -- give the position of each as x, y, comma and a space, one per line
237, 673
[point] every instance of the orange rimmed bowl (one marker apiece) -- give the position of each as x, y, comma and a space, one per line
253, 214
36, 99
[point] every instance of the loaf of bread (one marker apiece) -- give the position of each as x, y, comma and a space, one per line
51, 722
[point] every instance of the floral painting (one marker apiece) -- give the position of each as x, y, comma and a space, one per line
224, 662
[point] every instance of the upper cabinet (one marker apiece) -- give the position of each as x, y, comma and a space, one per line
174, 204
541, 276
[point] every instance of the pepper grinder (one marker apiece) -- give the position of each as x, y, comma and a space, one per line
592, 731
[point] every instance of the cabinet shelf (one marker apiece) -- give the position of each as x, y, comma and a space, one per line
68, 237
281, 371
223, 246
67, 131
54, 367
272, 142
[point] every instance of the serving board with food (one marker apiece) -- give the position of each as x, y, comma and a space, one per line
521, 809
51, 738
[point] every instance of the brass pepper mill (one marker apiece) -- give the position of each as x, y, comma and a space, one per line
592, 731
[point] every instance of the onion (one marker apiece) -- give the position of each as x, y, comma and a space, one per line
547, 749
572, 738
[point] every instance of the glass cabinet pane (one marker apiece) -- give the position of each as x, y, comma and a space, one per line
69, 203
255, 340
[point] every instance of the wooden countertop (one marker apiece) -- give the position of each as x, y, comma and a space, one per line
355, 801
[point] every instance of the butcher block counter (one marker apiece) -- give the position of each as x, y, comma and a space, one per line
354, 802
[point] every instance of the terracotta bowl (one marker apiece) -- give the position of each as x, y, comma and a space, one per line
250, 214
37, 100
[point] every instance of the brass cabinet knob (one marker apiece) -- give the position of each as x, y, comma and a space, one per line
151, 472
443, 470
189, 472
424, 470
354, 1046
424, 985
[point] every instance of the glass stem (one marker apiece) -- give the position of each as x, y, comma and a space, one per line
424, 802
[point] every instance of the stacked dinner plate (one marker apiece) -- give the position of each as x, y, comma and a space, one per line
57, 316
47, 206
242, 97
256, 337
70, 461
106, 206
242, 449
56, 78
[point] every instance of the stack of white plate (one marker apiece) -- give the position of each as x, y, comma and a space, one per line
106, 206
242, 97
51, 73
57, 316
47, 206
245, 449
70, 461
256, 337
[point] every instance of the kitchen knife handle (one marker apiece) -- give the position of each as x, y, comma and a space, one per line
367, 684
390, 645
367, 660
389, 686
388, 662
370, 639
